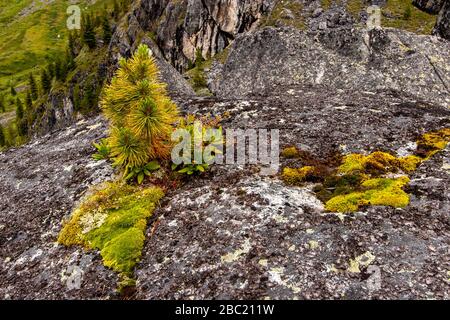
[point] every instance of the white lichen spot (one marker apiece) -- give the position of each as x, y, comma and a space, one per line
292, 248
92, 220
263, 262
313, 245
72, 277
363, 260
234, 256
275, 276
332, 268
309, 231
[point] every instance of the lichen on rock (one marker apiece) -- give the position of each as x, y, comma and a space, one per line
120, 235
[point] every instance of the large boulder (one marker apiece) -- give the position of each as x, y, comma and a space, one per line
40, 183
345, 58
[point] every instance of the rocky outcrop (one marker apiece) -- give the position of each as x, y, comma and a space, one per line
40, 184
181, 28
430, 6
342, 59
232, 232
442, 27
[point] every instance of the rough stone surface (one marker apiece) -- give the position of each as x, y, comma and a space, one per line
39, 186
183, 27
381, 59
430, 6
235, 234
442, 27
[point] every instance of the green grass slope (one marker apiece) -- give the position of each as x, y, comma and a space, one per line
32, 32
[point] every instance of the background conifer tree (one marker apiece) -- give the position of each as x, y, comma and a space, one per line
29, 101
33, 87
107, 33
19, 109
2, 137
89, 32
2, 104
13, 91
45, 81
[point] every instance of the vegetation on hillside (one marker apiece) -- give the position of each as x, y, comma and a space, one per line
40, 56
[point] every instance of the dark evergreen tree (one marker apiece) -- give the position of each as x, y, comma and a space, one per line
89, 32
51, 71
29, 101
71, 43
107, 33
45, 81
33, 87
70, 61
13, 91
116, 9
19, 109
58, 69
2, 104
2, 137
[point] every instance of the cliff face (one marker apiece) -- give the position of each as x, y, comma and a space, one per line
442, 28
441, 7
430, 6
181, 28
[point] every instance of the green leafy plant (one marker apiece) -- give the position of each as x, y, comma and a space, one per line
103, 150
139, 173
190, 124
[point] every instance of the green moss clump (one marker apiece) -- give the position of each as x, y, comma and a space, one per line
433, 142
290, 153
294, 176
113, 219
376, 192
362, 180
378, 163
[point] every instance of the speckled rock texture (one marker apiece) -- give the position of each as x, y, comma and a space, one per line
39, 186
344, 58
234, 234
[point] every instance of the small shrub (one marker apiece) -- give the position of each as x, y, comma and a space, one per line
140, 113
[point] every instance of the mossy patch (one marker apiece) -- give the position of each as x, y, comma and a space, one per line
286, 13
378, 163
295, 176
113, 220
290, 153
375, 192
363, 180
432, 142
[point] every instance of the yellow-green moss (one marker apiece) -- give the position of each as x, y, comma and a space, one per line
113, 219
432, 142
295, 176
290, 153
362, 180
378, 162
376, 192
